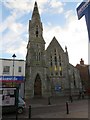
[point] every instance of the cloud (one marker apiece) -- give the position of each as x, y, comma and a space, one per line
19, 5
19, 50
56, 3
73, 35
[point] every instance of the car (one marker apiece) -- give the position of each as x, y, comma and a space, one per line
21, 105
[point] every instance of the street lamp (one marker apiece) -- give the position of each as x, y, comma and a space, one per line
13, 68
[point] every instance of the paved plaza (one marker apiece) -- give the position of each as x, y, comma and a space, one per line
58, 109
55, 108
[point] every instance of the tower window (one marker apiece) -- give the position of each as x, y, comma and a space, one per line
36, 31
39, 56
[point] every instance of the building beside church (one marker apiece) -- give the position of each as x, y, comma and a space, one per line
48, 72
84, 74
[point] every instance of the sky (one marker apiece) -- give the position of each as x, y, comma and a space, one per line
59, 19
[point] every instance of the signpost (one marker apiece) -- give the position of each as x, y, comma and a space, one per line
84, 9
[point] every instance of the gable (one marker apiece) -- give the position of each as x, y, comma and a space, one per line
54, 44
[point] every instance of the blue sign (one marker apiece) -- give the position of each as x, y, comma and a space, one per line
57, 88
84, 9
12, 78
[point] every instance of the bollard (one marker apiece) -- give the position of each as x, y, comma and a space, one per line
67, 108
29, 111
49, 103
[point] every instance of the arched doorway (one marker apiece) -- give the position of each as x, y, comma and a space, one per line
37, 86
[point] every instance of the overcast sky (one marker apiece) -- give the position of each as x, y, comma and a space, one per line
59, 19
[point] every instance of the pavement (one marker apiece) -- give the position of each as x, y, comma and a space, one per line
77, 109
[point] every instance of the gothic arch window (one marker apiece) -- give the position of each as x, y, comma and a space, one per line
36, 56
59, 60
55, 52
39, 56
74, 80
51, 60
55, 58
60, 65
51, 65
36, 31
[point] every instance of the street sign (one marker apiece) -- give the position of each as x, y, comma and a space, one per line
84, 9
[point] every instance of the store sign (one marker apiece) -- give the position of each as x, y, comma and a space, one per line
11, 78
84, 9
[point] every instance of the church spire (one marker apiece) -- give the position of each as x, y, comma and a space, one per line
35, 14
35, 26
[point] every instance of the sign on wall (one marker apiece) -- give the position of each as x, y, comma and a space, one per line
12, 78
58, 88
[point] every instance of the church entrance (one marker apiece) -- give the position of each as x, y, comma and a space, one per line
37, 86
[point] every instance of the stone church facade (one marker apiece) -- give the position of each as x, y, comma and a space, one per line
48, 72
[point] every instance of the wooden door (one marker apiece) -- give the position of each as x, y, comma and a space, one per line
37, 86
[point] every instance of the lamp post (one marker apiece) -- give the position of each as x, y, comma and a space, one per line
13, 68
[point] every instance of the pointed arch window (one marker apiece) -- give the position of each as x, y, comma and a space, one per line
55, 58
36, 31
74, 80
39, 56
59, 60
55, 52
51, 60
60, 65
36, 56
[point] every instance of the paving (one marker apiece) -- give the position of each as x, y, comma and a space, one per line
53, 108
77, 109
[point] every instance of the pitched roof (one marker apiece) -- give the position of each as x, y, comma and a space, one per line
54, 43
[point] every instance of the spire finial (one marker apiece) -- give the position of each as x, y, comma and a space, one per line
35, 4
66, 48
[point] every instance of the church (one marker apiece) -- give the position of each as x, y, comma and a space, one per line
48, 71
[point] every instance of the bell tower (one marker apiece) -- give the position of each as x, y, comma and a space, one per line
35, 72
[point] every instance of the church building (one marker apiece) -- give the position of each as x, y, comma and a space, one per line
48, 72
